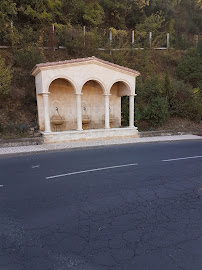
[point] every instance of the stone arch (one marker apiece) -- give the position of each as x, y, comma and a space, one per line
119, 92
93, 104
62, 105
127, 92
97, 81
64, 77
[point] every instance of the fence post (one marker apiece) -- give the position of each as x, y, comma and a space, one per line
84, 35
52, 45
133, 37
53, 37
196, 38
110, 40
150, 39
168, 40
12, 34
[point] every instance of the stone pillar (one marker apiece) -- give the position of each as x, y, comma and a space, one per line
46, 112
131, 110
107, 124
78, 109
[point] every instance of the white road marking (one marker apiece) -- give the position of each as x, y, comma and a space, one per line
92, 170
175, 159
36, 166
1, 185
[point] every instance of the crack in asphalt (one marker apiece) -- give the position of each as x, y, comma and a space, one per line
127, 225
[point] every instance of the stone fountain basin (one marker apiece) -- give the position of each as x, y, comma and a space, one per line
86, 120
111, 119
57, 121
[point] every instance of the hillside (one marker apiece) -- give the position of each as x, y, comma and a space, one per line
170, 86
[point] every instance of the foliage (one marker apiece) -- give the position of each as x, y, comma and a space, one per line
156, 112
93, 14
152, 23
119, 37
152, 105
39, 11
190, 68
167, 85
28, 58
8, 12
125, 111
174, 91
151, 87
185, 102
5, 78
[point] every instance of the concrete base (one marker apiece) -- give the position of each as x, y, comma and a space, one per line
91, 134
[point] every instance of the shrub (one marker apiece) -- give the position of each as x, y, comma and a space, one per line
156, 112
5, 78
28, 58
195, 111
185, 101
151, 103
180, 98
189, 68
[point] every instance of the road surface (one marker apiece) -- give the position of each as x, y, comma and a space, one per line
127, 207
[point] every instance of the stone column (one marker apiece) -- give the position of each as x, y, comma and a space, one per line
107, 124
78, 109
46, 112
131, 111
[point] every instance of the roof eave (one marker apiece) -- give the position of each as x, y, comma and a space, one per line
45, 66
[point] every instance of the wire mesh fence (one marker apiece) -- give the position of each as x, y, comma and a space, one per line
67, 37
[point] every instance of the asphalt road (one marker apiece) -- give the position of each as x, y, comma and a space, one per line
132, 207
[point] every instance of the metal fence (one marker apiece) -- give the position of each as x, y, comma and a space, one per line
63, 36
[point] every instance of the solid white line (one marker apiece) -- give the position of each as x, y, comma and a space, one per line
174, 159
92, 170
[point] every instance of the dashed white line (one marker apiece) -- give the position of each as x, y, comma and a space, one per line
35, 166
1, 185
183, 158
92, 170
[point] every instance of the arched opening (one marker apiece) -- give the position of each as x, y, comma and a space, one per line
119, 105
62, 105
92, 105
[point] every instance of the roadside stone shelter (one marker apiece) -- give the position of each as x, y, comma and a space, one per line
80, 99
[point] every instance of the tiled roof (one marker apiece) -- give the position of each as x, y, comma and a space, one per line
81, 60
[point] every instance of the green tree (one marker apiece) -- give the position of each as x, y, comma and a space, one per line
8, 14
39, 11
152, 23
93, 14
114, 13
152, 105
